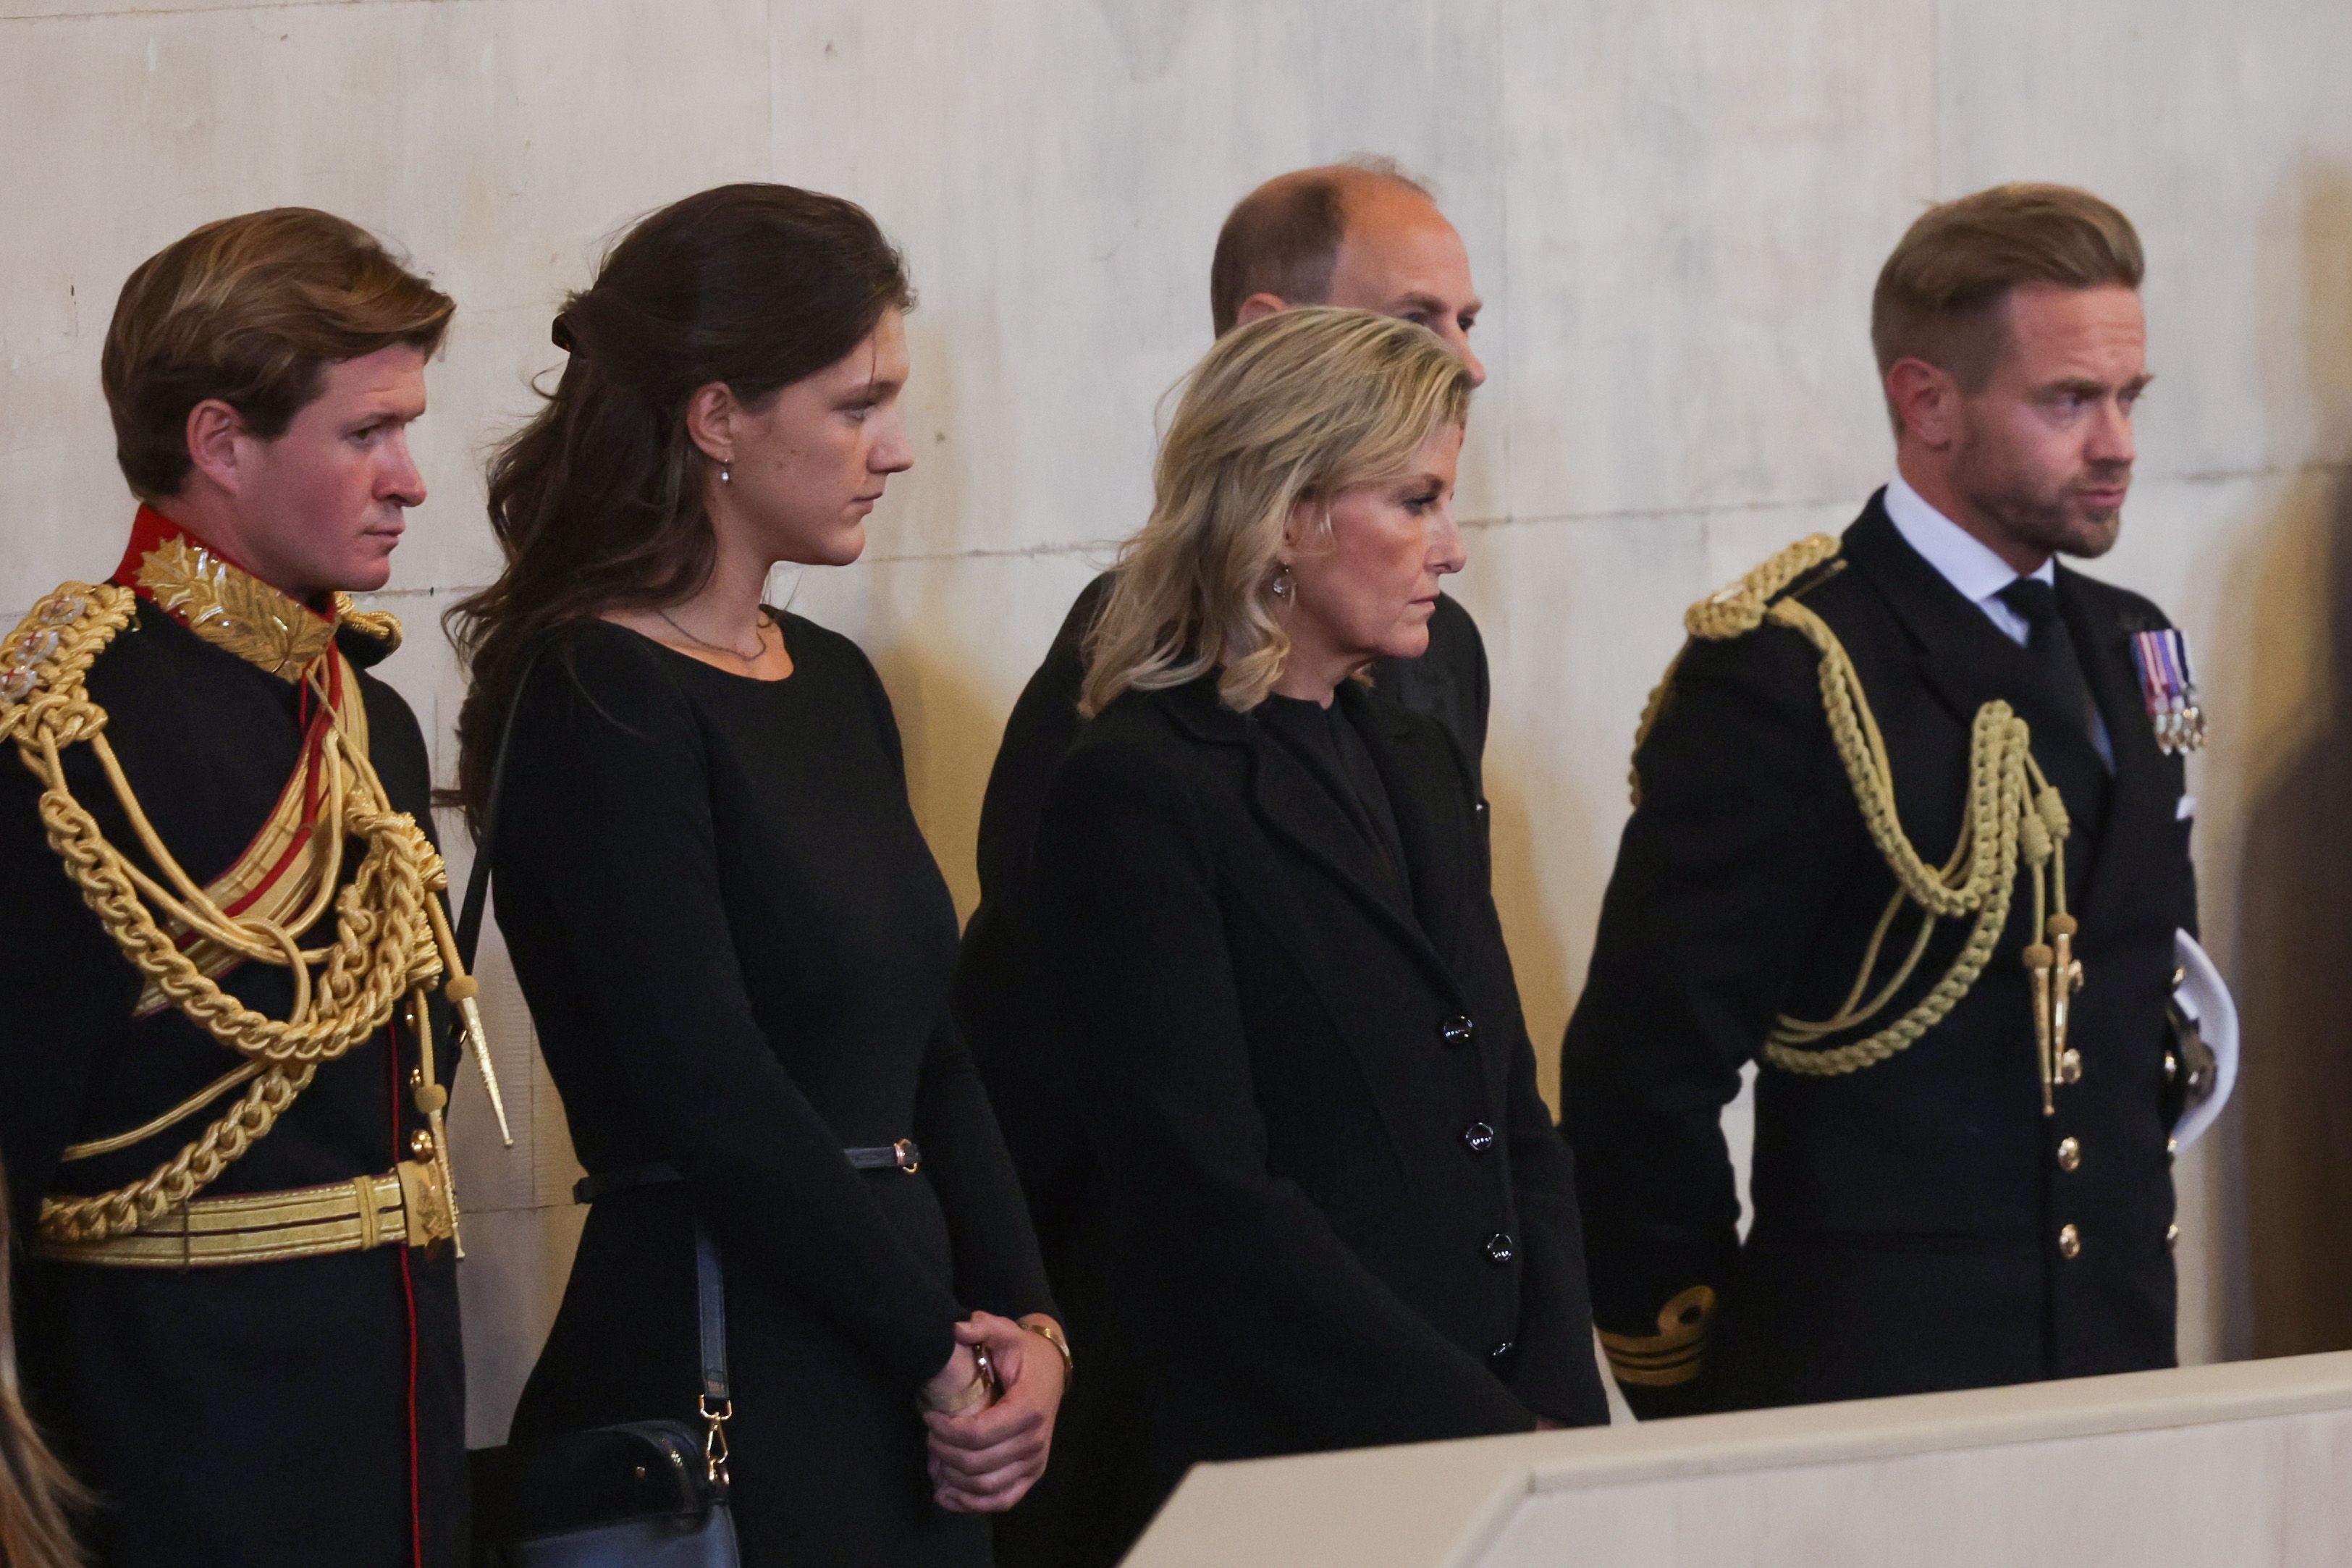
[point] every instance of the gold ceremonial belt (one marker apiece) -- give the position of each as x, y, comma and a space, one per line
404, 1205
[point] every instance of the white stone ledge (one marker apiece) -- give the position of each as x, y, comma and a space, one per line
1942, 1422
1875, 1481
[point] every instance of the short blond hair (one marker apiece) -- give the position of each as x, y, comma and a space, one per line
1294, 406
1939, 295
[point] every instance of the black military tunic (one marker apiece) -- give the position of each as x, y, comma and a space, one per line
300, 1411
1919, 1224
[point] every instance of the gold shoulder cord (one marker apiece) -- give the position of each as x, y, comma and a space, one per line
392, 936
2012, 810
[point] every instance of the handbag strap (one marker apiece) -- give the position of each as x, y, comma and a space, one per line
710, 1298
709, 1289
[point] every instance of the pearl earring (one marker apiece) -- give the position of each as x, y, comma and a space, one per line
725, 473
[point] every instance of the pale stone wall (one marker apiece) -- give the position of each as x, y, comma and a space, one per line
1675, 212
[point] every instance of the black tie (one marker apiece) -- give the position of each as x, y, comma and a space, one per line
2046, 638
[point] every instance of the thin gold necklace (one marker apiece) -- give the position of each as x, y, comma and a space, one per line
759, 633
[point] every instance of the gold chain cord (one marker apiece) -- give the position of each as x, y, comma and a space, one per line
387, 939
2012, 812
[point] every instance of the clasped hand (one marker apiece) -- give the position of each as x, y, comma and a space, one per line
986, 1459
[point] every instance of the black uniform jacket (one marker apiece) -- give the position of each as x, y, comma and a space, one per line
1002, 988
1342, 1214
1909, 1216
293, 1412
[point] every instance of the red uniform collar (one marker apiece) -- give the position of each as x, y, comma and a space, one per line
151, 529
210, 593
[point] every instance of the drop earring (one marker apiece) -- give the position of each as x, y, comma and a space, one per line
725, 473
1281, 585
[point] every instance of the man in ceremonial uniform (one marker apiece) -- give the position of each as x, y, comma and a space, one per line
1910, 834
1362, 234
221, 1085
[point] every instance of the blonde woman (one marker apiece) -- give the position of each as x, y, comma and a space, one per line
1344, 1216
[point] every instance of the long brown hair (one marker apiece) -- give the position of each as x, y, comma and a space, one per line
598, 501
35, 1489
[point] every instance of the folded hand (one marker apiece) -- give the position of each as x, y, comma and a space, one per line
985, 1461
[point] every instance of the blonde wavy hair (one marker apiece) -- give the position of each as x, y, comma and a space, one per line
39, 1500
1297, 406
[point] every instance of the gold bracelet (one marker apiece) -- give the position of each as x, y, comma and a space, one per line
1048, 1330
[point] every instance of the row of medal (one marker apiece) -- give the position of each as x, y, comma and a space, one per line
2165, 684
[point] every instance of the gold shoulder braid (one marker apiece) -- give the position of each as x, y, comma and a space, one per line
391, 937
2012, 811
289, 872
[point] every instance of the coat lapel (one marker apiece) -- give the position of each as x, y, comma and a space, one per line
1418, 771
1293, 807
1967, 662
1287, 799
2145, 789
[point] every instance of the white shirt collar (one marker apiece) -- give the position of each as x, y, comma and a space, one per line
1963, 560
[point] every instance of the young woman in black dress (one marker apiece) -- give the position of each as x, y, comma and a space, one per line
734, 941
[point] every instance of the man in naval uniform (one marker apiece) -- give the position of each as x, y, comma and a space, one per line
1910, 834
221, 1088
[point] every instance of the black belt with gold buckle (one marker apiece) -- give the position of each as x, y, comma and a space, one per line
905, 1156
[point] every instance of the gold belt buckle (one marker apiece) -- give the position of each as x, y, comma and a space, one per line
422, 1194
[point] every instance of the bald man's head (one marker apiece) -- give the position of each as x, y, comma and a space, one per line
1361, 234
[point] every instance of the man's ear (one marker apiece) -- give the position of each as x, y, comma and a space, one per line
218, 440
1259, 306
710, 416
1928, 400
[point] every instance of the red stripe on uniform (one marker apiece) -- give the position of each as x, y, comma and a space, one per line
409, 1294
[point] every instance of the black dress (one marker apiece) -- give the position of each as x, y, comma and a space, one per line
736, 948
1338, 1212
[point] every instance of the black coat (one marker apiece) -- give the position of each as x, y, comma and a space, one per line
1907, 1217
1002, 990
736, 947
1342, 1214
256, 1413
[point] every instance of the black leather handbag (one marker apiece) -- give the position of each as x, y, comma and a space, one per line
644, 1494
